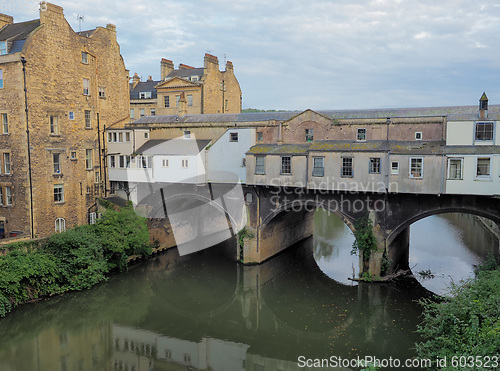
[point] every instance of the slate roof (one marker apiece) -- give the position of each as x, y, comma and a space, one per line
456, 113
87, 33
185, 72
143, 86
17, 33
394, 147
188, 147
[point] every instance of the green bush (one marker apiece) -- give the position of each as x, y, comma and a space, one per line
123, 233
466, 324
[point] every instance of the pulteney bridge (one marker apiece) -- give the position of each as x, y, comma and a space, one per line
275, 218
280, 216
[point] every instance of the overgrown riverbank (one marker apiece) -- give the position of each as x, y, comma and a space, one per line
464, 329
73, 260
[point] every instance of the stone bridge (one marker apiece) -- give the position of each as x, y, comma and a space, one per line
278, 217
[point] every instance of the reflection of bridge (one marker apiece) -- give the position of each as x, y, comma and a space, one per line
278, 217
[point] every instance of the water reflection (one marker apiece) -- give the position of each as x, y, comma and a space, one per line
205, 312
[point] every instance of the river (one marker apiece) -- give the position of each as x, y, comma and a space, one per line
205, 312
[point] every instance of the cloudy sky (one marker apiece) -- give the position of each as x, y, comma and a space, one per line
318, 54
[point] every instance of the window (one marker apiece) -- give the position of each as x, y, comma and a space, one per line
394, 167
132, 113
5, 123
60, 225
56, 160
374, 165
88, 159
194, 78
142, 112
71, 115
102, 92
416, 167
145, 95
361, 135
309, 135
120, 137
185, 163
115, 137
166, 101
1, 196
127, 136
54, 125
8, 195
233, 137
190, 100
3, 47
347, 168
484, 131
260, 136
122, 161
286, 165
58, 193
97, 177
73, 155
146, 135
225, 105
483, 168
455, 168
418, 135
112, 161
92, 218
86, 85
164, 162
6, 162
88, 122
318, 166
127, 161
260, 164
1, 79
85, 57
177, 99
187, 134
153, 111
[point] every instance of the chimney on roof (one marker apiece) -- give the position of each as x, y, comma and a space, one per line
5, 20
51, 13
166, 66
483, 107
182, 105
211, 61
135, 80
229, 66
150, 78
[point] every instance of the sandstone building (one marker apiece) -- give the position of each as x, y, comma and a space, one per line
77, 85
186, 90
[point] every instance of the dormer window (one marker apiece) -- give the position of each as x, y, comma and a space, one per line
3, 47
484, 131
145, 95
194, 78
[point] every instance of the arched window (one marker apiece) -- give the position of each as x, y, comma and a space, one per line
60, 225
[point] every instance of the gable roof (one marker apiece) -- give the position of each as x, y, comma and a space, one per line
175, 82
18, 31
143, 86
186, 72
177, 146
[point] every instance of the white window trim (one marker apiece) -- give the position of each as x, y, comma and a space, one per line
62, 225
483, 177
395, 171
357, 134
484, 141
418, 134
409, 168
461, 168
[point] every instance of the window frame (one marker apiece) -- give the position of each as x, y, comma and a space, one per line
88, 119
318, 171
5, 123
86, 86
450, 159
60, 225
484, 132
260, 136
347, 168
8, 196
185, 163
186, 134
102, 92
358, 131
483, 177
373, 164
418, 135
59, 195
233, 137
260, 169
190, 100
394, 171
132, 114
4, 48
54, 125
410, 172
7, 165
152, 111
1, 78
309, 135
166, 101
286, 165
88, 159
56, 164
85, 57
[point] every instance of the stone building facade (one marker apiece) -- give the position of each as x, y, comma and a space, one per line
77, 85
186, 90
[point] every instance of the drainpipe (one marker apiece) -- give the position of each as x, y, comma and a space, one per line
23, 61
443, 174
105, 160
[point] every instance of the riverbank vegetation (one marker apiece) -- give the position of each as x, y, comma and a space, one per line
465, 327
73, 260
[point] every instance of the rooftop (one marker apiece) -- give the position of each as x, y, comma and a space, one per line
177, 146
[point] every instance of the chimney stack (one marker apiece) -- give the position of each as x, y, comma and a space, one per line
135, 80
483, 107
211, 61
166, 66
5, 20
182, 105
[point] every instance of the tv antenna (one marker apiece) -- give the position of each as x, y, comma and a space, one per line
80, 19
